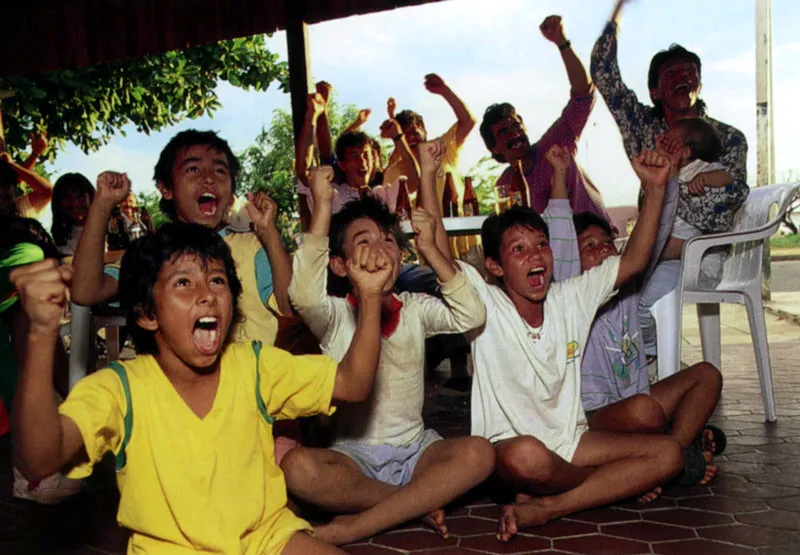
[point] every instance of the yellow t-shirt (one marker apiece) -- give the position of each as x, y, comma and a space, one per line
256, 302
210, 484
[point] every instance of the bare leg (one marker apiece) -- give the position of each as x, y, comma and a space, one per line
641, 414
688, 398
626, 464
304, 544
673, 249
447, 469
310, 472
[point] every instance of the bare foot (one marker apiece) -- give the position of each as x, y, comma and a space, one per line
711, 469
338, 531
436, 521
650, 495
707, 443
520, 515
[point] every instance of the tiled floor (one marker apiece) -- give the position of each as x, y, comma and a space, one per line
752, 506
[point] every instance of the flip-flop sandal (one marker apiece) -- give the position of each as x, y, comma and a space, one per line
720, 439
694, 467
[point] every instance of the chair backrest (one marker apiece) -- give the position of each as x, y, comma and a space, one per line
764, 205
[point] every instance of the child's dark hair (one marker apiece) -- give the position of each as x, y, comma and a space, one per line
69, 182
372, 209
496, 225
701, 137
185, 139
409, 117
493, 115
584, 220
142, 264
351, 139
659, 60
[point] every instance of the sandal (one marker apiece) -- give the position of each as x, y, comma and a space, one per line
694, 467
719, 438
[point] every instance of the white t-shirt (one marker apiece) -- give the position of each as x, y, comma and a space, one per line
528, 380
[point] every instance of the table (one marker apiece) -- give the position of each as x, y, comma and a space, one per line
466, 225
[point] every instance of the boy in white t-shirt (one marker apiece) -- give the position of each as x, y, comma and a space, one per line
526, 396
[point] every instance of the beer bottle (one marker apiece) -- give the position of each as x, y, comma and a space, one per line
470, 207
403, 208
449, 198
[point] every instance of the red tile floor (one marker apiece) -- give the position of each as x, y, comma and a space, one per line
751, 507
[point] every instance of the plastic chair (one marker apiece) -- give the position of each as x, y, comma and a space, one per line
83, 327
757, 220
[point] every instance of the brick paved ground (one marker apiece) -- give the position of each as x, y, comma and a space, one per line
752, 507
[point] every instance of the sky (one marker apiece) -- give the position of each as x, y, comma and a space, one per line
493, 52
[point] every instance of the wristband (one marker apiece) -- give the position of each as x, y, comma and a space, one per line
565, 45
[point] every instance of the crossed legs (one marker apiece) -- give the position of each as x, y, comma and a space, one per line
446, 469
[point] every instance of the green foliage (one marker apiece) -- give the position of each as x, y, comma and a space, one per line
484, 175
150, 200
785, 241
88, 106
269, 162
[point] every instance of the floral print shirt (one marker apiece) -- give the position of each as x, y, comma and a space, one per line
640, 126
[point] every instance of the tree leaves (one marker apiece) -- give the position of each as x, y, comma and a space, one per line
88, 106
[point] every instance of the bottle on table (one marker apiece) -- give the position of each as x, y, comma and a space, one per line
449, 198
470, 206
403, 209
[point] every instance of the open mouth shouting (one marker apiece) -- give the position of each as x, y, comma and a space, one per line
207, 335
536, 277
208, 204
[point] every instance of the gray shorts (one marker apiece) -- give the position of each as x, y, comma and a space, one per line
391, 464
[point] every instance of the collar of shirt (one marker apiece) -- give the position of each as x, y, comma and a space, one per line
389, 320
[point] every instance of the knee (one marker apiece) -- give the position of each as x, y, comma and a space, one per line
479, 455
646, 414
299, 467
709, 375
525, 459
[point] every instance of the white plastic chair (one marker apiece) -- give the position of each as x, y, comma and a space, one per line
82, 328
757, 220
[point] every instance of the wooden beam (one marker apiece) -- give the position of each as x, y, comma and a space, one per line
300, 81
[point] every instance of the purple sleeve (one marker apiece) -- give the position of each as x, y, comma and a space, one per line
568, 127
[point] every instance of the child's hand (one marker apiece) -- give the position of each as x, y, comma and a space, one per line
370, 270
315, 105
697, 186
390, 129
112, 188
262, 210
325, 90
431, 155
553, 29
671, 149
43, 292
320, 180
424, 225
435, 84
363, 116
391, 107
38, 143
652, 168
559, 159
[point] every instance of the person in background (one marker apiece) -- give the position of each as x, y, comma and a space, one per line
72, 195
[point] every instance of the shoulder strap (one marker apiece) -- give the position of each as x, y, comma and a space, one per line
262, 407
121, 457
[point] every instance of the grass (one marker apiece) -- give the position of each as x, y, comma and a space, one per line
785, 241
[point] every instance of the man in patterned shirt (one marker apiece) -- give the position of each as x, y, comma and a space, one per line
674, 83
